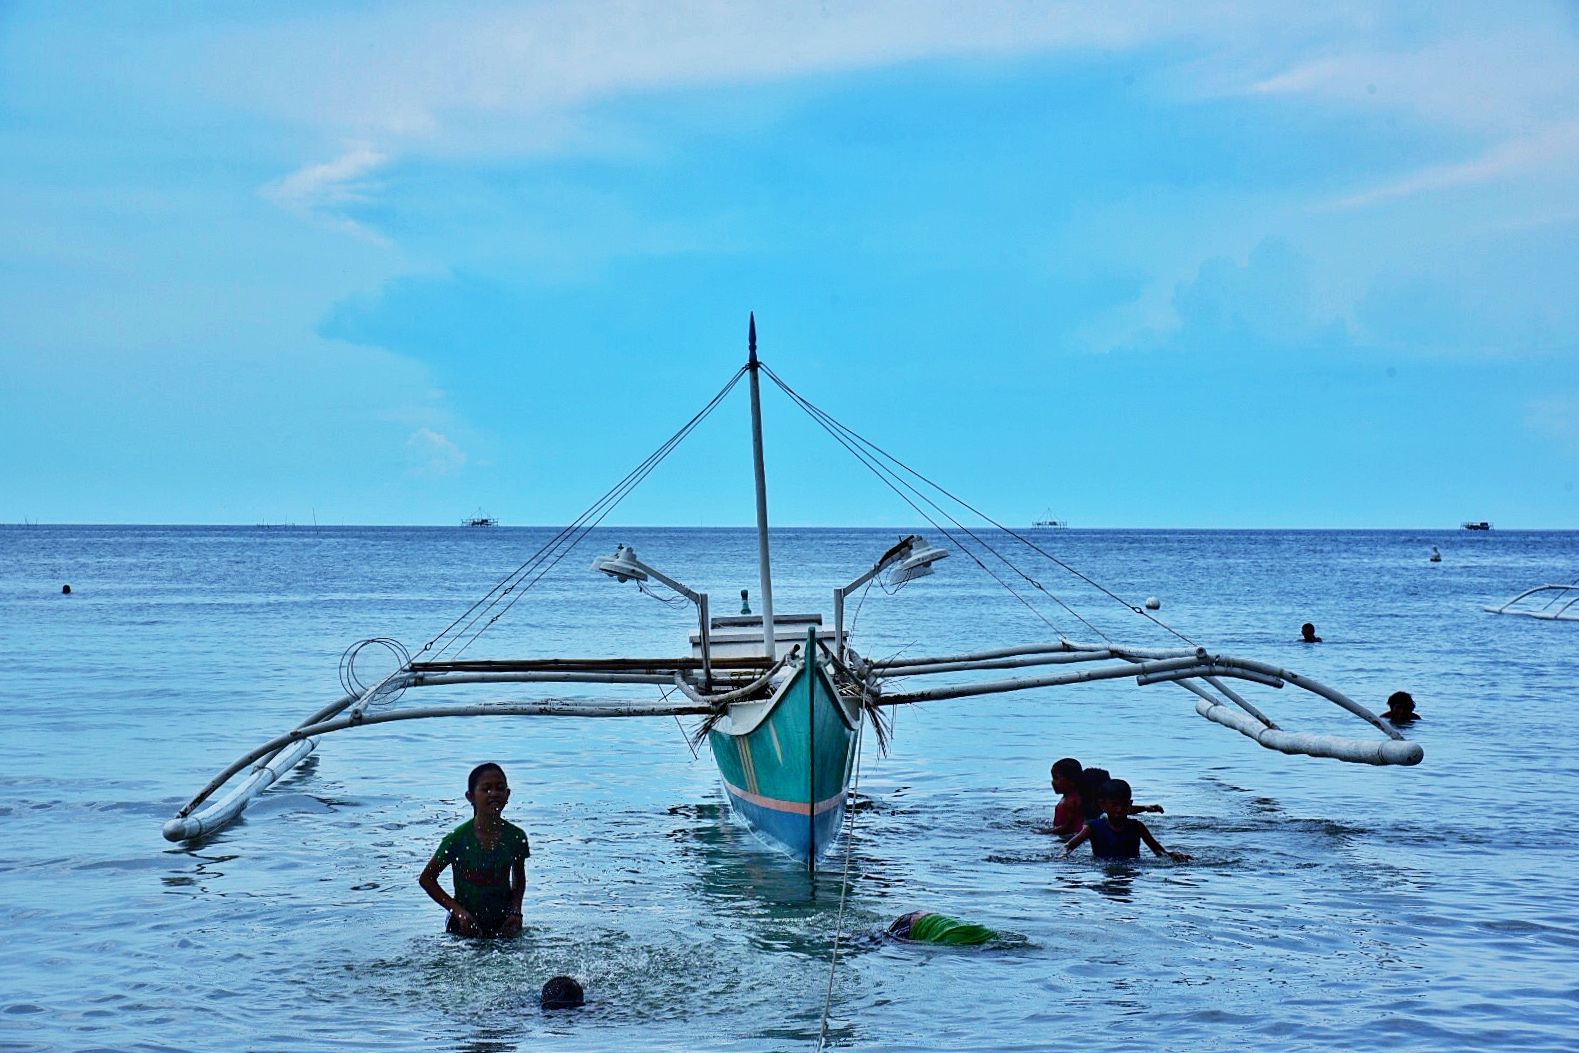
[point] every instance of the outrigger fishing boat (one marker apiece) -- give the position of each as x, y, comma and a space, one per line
782, 698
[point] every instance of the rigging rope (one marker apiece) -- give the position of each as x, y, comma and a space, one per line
564, 542
890, 478
826, 419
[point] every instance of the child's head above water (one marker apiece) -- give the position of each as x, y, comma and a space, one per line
1400, 707
1066, 775
1116, 792
487, 789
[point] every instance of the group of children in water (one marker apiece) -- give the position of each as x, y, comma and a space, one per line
487, 855
1094, 807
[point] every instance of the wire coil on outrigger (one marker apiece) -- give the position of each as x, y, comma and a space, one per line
353, 683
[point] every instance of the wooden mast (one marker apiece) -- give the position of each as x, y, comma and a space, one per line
764, 568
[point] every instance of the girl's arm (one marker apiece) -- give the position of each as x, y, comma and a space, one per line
430, 884
1151, 843
1145, 808
512, 920
1075, 842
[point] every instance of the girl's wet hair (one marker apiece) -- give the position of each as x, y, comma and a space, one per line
478, 772
1091, 782
1069, 768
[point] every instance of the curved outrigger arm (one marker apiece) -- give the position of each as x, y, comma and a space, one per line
274, 758
1194, 669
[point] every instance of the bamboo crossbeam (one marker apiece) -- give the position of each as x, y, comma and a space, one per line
1207, 669
1061, 647
568, 677
594, 665
1020, 662
991, 687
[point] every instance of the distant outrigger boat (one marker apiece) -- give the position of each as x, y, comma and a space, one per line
1476, 525
481, 519
1047, 522
1559, 606
783, 701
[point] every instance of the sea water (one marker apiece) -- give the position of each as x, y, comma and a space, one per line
1328, 906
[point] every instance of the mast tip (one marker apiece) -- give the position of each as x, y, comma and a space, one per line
752, 340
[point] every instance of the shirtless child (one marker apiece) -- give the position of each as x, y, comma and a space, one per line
1116, 835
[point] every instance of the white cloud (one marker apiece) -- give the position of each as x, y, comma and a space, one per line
1554, 151
1509, 88
432, 454
325, 190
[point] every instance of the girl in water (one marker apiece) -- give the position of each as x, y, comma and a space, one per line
488, 857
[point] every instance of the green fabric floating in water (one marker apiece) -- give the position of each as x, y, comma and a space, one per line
940, 928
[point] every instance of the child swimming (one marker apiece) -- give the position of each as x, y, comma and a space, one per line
1091, 782
1116, 835
489, 860
925, 927
1400, 709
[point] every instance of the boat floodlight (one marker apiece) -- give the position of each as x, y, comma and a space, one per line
621, 566
916, 565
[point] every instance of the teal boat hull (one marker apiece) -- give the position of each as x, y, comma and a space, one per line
788, 776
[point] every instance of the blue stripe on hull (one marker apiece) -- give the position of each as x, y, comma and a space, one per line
787, 831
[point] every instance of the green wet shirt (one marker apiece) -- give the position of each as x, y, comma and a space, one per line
940, 928
482, 877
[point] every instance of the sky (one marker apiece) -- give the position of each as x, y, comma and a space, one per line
1220, 265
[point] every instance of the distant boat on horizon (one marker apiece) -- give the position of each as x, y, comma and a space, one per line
480, 519
1047, 522
1476, 525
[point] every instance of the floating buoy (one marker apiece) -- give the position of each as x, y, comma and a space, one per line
65, 590
1153, 604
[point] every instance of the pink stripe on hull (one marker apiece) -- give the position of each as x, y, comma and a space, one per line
792, 807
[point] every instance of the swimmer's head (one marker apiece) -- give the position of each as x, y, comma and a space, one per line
1401, 707
562, 992
1066, 774
1116, 792
1307, 631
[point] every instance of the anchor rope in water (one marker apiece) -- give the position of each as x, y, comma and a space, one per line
565, 540
822, 416
844, 887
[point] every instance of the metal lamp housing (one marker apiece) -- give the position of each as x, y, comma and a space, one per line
916, 565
